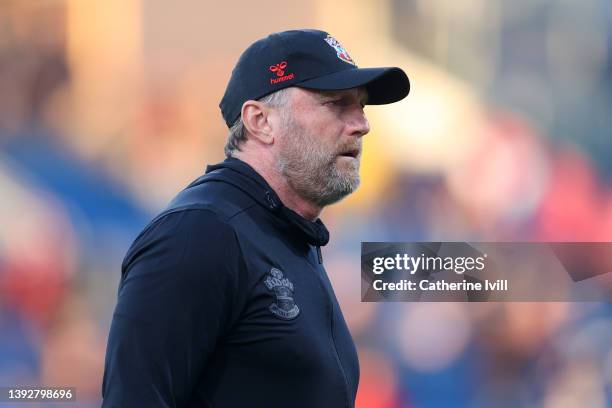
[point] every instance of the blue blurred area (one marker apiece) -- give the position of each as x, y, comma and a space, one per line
19, 350
101, 210
89, 194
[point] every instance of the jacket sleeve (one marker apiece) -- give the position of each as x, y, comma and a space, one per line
178, 295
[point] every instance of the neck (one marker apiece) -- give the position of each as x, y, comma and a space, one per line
290, 198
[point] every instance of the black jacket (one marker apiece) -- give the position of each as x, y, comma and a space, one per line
224, 302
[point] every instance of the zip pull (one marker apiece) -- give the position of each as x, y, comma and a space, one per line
319, 255
271, 203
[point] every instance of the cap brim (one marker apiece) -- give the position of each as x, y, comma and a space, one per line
384, 85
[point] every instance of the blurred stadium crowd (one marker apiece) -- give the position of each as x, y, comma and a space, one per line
109, 108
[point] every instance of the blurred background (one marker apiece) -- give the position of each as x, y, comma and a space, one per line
109, 108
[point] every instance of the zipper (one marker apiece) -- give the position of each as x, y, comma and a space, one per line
346, 386
321, 277
320, 272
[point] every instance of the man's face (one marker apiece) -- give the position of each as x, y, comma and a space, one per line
320, 143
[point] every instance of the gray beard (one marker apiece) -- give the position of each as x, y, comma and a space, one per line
313, 172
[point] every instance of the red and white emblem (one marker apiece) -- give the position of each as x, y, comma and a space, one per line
340, 51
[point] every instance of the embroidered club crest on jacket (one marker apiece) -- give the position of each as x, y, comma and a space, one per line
284, 307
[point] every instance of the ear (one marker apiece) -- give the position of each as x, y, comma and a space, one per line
256, 119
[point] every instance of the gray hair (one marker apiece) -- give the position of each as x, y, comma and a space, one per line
237, 132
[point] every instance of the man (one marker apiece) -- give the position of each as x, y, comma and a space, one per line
223, 300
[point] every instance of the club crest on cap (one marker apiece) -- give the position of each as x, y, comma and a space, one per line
340, 50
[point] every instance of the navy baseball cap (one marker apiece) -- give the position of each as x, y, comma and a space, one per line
309, 59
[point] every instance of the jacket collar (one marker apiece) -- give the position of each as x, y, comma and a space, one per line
245, 178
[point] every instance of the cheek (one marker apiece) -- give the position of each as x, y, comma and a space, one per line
324, 129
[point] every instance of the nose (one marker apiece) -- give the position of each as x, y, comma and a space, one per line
359, 125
